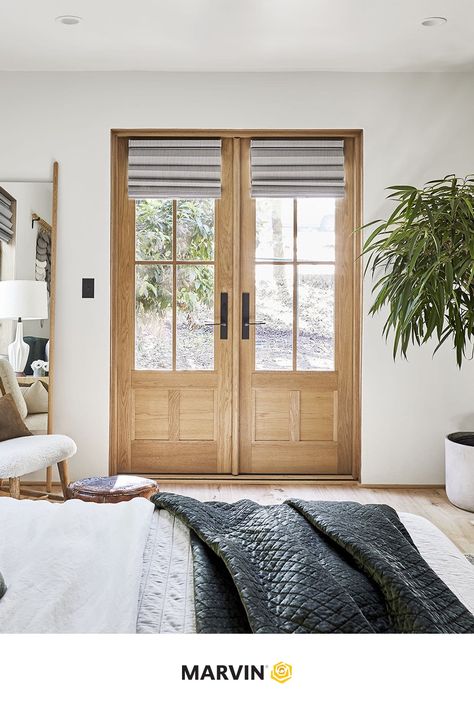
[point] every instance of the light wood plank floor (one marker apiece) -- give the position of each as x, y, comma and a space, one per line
431, 503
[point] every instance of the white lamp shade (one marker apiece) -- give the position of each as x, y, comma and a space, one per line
23, 299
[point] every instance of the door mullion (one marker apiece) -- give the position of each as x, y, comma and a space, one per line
295, 282
175, 285
236, 280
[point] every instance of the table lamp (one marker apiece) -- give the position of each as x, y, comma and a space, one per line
25, 301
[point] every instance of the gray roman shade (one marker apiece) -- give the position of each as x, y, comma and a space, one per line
297, 168
174, 168
6, 217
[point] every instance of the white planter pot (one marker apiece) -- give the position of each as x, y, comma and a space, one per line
459, 458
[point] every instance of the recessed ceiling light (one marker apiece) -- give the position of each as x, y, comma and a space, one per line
69, 20
434, 21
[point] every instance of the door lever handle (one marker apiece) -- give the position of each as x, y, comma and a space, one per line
223, 323
246, 317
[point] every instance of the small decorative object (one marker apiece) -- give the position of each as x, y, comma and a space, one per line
39, 368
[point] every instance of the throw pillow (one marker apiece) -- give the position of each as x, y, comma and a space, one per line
36, 398
11, 424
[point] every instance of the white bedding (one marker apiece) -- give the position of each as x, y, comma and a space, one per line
71, 568
167, 592
442, 556
125, 567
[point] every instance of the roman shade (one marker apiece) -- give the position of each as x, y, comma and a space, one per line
297, 168
6, 217
174, 168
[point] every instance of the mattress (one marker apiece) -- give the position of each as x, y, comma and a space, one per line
166, 602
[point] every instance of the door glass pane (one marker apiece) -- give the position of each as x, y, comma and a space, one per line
316, 237
315, 337
194, 307
153, 323
154, 229
274, 305
195, 229
274, 233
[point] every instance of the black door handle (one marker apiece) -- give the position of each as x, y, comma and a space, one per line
246, 317
223, 323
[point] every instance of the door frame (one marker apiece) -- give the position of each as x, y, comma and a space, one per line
119, 138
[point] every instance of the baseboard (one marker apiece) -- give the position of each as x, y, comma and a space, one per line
402, 486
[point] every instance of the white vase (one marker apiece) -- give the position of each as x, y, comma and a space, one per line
459, 462
18, 350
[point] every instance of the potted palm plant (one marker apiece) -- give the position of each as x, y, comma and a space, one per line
422, 261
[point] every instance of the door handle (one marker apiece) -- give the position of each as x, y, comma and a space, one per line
246, 322
224, 322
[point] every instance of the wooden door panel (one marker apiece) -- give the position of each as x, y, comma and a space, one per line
197, 414
192, 457
318, 416
294, 415
271, 415
175, 429
294, 458
150, 414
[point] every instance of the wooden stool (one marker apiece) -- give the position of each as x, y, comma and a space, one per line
111, 489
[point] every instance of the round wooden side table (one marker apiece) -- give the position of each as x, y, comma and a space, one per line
111, 489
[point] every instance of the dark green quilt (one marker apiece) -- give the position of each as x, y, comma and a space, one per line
309, 567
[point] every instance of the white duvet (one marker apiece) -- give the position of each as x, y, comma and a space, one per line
72, 568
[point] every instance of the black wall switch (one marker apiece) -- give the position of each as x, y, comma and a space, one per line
88, 288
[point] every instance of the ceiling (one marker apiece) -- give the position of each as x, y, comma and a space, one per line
237, 35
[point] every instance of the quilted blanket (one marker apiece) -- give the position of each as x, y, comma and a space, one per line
311, 567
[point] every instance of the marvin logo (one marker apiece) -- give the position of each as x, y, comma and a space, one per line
280, 672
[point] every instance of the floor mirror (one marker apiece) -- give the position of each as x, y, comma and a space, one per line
28, 236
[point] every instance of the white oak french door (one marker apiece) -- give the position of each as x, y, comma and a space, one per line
235, 328
296, 355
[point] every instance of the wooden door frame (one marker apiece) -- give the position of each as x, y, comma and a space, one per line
119, 138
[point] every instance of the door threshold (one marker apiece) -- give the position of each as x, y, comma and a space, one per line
333, 479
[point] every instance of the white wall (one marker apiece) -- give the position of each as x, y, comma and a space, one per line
417, 127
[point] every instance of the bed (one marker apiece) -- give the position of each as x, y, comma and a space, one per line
128, 568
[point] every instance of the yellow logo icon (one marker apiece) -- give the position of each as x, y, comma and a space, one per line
281, 672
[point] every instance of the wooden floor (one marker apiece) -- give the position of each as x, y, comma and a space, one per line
458, 525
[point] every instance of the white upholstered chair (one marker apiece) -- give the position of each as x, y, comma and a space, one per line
25, 455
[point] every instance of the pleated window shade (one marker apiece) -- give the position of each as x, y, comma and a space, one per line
297, 168
174, 168
7, 207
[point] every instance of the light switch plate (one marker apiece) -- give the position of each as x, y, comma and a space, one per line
88, 288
